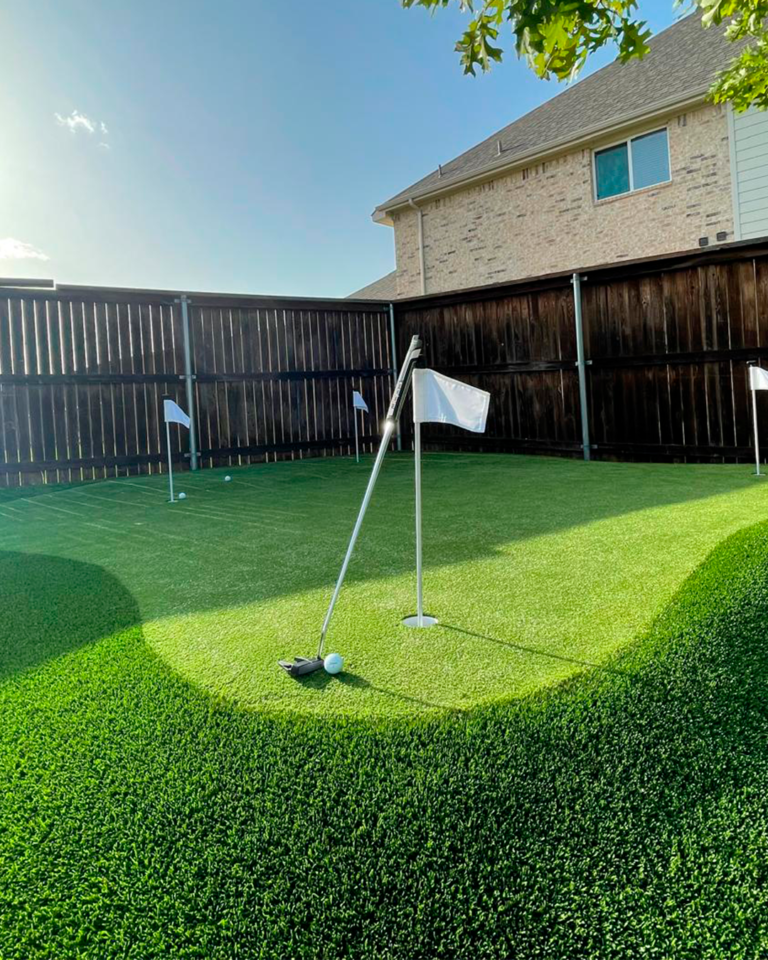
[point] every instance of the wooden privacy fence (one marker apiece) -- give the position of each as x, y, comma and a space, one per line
666, 346
83, 372
666, 343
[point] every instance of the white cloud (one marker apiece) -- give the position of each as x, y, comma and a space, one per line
79, 122
76, 121
11, 249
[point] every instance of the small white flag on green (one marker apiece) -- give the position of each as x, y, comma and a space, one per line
174, 414
758, 378
358, 404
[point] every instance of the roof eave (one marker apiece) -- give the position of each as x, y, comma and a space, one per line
383, 214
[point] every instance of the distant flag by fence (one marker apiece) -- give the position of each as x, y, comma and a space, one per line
172, 413
758, 380
357, 404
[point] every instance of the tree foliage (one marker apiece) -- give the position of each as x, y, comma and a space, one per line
557, 36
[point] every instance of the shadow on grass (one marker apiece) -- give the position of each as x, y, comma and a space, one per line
360, 683
52, 605
533, 650
320, 680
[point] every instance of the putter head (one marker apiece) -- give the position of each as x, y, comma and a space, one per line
301, 666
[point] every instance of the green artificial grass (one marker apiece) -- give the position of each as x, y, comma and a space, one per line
536, 568
620, 813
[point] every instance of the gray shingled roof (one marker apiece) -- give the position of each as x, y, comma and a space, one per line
385, 288
682, 62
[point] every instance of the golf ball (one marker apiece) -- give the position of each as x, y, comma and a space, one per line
182, 496
333, 663
227, 478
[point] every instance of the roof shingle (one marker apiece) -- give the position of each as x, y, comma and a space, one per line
385, 288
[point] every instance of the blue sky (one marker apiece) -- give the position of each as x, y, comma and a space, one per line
231, 145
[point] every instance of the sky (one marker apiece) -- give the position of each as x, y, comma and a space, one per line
232, 145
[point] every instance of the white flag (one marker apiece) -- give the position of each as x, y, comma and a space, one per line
174, 414
439, 399
357, 401
758, 378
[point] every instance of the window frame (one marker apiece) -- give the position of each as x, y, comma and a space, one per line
628, 142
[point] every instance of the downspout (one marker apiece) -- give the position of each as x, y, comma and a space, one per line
422, 268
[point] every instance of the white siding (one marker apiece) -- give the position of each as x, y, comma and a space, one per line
749, 158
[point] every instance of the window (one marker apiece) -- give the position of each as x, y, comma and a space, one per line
632, 165
612, 171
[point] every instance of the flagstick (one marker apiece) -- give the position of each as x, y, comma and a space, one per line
393, 416
357, 447
170, 461
419, 584
421, 619
757, 442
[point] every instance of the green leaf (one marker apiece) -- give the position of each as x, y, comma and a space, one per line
557, 38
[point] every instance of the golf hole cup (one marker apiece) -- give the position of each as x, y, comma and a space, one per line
333, 663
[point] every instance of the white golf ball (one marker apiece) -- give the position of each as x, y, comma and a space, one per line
227, 478
333, 663
182, 496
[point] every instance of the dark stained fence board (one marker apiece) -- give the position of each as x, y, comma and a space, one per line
8, 447
236, 409
83, 370
275, 383
149, 390
667, 346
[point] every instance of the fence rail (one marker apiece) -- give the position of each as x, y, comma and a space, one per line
83, 372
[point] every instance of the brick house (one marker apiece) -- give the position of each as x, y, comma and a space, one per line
629, 162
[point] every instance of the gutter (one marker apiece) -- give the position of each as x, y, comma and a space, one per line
382, 214
422, 269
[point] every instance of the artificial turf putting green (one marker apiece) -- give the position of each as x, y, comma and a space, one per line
619, 814
536, 568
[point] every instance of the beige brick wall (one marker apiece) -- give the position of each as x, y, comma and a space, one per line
545, 219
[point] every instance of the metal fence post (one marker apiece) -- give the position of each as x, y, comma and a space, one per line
394, 365
189, 381
581, 365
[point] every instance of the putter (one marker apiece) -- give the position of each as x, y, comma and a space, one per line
301, 666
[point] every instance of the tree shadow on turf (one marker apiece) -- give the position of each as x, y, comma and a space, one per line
52, 605
612, 813
534, 650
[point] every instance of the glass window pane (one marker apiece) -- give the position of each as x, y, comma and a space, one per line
612, 171
650, 159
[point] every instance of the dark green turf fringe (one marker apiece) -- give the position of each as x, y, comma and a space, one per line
623, 814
